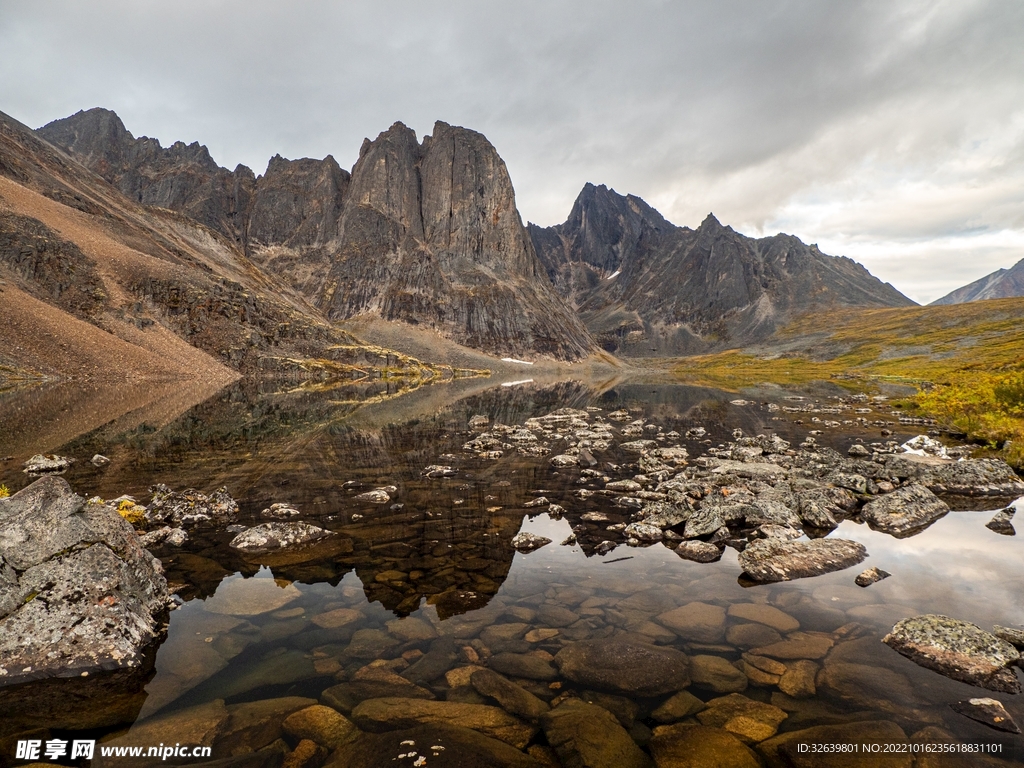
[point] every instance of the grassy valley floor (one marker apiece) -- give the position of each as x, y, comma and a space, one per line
965, 360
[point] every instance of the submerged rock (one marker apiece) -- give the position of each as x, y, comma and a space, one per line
716, 674
905, 510
816, 747
588, 735
397, 713
686, 745
267, 537
320, 724
957, 649
512, 698
190, 507
451, 745
771, 560
745, 718
79, 594
988, 711
625, 667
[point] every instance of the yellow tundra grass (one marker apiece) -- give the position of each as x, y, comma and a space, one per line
967, 361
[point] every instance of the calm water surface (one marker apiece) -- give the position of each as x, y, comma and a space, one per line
434, 567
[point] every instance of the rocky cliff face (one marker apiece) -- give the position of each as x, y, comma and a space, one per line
646, 287
431, 236
427, 234
182, 177
1001, 284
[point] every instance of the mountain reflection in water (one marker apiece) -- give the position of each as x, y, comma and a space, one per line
430, 577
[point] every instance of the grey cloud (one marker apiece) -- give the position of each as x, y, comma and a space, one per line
754, 110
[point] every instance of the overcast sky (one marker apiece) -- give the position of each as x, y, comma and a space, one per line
891, 132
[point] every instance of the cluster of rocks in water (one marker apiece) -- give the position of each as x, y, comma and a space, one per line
757, 494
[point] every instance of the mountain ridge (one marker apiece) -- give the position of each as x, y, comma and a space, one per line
1001, 284
450, 254
676, 290
427, 233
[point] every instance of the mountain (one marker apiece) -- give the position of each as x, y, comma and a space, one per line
1001, 284
644, 286
426, 233
95, 285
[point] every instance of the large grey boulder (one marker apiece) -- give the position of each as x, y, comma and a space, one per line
904, 511
769, 560
969, 477
78, 593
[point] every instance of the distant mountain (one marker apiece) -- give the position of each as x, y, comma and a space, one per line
1001, 284
644, 286
425, 233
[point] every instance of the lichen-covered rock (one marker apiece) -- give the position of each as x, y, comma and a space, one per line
969, 477
770, 560
376, 496
173, 537
190, 507
524, 541
272, 536
905, 510
48, 464
817, 509
78, 593
957, 649
643, 532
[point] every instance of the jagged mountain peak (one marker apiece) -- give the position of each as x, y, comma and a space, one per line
711, 224
682, 291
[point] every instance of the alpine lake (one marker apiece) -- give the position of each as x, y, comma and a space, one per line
420, 587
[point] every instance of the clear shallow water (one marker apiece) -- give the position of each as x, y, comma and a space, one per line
442, 564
